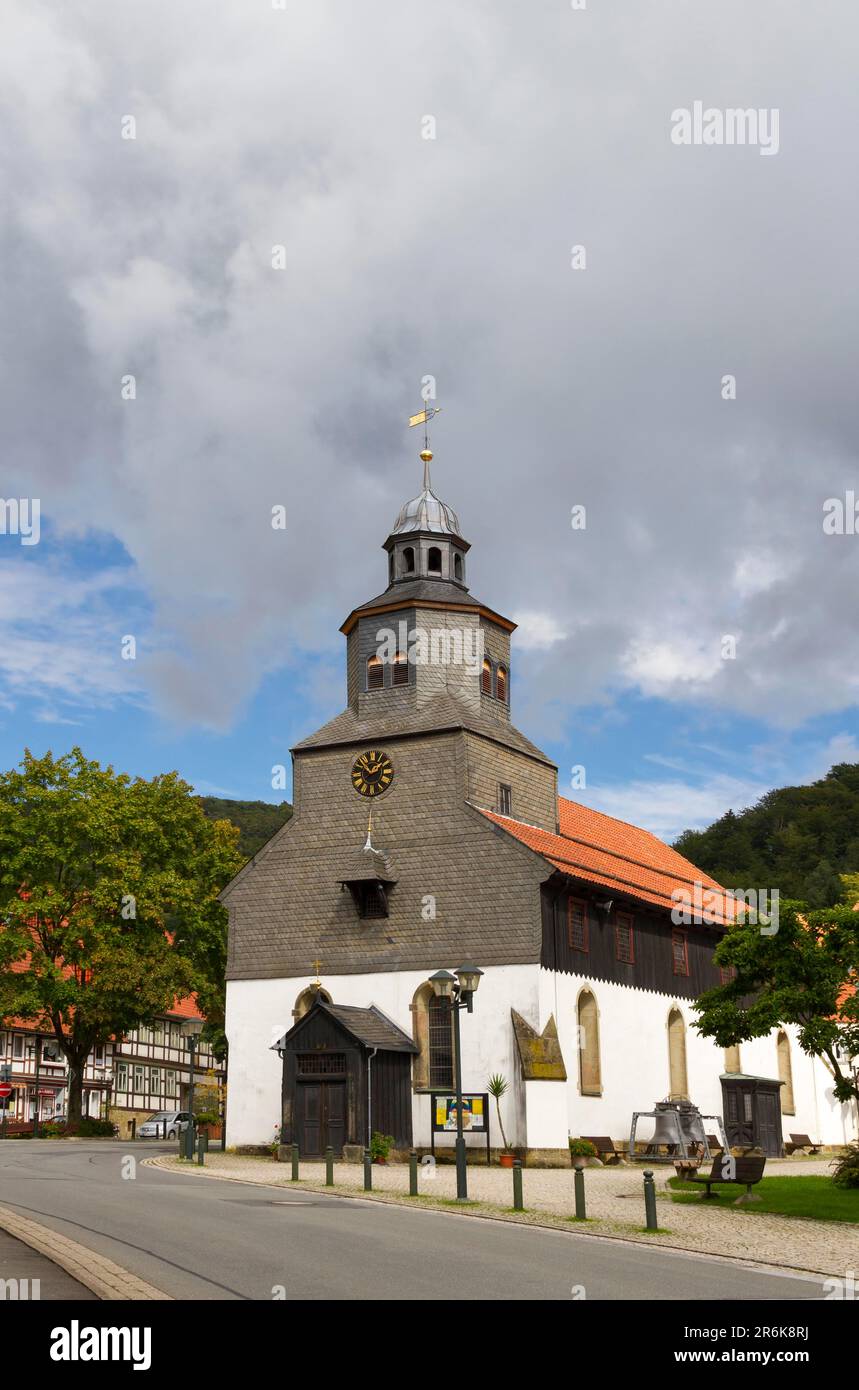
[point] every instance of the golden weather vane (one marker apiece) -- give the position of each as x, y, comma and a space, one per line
423, 417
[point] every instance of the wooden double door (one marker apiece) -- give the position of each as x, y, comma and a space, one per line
320, 1116
752, 1111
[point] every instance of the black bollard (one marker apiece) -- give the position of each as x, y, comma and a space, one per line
650, 1200
413, 1173
579, 1182
329, 1166
518, 1204
294, 1163
201, 1150
368, 1171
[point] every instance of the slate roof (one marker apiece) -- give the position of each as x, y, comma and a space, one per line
365, 864
442, 713
414, 590
443, 593
370, 1027
616, 855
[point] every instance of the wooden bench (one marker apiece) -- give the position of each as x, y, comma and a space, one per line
801, 1141
604, 1146
733, 1171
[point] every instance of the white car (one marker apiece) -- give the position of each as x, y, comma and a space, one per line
166, 1123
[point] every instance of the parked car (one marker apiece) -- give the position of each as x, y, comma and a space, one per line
175, 1122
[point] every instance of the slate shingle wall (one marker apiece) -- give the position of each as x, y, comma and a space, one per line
534, 786
287, 909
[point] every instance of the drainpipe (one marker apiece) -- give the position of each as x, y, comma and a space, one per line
370, 1056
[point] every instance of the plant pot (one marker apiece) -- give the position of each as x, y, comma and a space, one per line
507, 1160
380, 1160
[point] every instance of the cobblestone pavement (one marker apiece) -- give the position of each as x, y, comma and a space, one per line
615, 1206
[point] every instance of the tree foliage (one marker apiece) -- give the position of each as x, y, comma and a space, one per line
257, 821
796, 839
799, 975
108, 900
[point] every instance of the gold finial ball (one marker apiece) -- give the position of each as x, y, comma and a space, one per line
426, 455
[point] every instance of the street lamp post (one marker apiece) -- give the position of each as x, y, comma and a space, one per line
192, 1028
459, 993
38, 1048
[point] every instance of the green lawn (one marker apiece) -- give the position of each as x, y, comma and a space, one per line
815, 1196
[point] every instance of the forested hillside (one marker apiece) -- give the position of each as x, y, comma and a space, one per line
796, 839
257, 820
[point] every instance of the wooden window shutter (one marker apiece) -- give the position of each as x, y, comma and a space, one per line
624, 938
577, 924
679, 953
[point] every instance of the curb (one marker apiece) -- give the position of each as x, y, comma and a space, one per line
108, 1281
560, 1224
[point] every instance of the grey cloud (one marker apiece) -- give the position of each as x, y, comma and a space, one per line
451, 257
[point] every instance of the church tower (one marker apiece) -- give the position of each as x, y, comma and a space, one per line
426, 636
425, 658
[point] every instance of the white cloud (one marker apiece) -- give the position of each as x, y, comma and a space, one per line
669, 807
537, 631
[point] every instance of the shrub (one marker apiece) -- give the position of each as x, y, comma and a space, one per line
381, 1145
582, 1148
85, 1128
847, 1168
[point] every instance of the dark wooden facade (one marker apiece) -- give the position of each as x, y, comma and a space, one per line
328, 1072
654, 942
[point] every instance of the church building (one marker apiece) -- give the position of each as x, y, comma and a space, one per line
428, 834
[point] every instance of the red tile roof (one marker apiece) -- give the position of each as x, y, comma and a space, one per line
616, 855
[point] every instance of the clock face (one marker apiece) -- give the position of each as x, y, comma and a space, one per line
372, 773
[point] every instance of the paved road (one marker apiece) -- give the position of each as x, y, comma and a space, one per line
27, 1274
197, 1238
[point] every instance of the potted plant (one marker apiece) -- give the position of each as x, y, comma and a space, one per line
205, 1120
497, 1087
580, 1150
380, 1147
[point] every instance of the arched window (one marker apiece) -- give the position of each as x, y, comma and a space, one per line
440, 1042
590, 1074
307, 998
432, 1029
391, 568
457, 567
434, 560
409, 560
733, 1065
501, 684
785, 1072
401, 669
375, 673
678, 1085
486, 677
